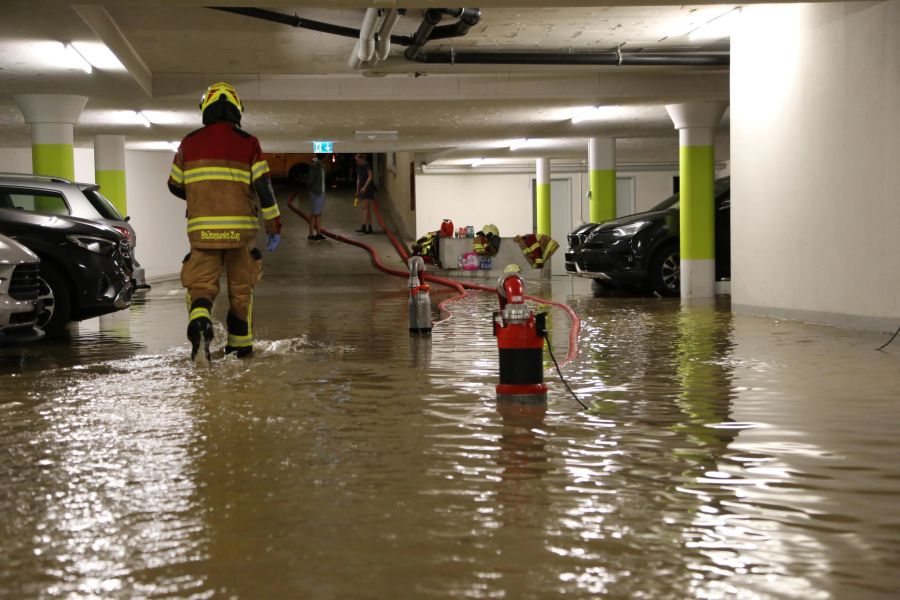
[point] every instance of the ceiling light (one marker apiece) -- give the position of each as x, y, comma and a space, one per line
598, 113
77, 59
98, 55
375, 135
174, 146
167, 117
142, 119
718, 28
516, 144
478, 162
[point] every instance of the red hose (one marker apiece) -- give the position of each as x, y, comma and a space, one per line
460, 286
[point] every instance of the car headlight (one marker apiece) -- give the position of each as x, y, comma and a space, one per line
94, 244
630, 229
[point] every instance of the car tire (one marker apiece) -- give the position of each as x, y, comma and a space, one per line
664, 273
56, 295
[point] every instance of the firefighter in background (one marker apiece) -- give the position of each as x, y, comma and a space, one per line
220, 171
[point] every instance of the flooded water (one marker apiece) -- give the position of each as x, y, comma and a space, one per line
723, 456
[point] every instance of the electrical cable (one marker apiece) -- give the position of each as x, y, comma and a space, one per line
888, 343
563, 379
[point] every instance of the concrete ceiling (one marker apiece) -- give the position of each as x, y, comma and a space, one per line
297, 86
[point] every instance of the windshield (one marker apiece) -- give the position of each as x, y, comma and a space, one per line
103, 206
670, 202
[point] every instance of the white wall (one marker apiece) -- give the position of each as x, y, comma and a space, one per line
501, 199
156, 215
815, 132
396, 192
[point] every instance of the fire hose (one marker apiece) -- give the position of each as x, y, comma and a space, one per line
460, 287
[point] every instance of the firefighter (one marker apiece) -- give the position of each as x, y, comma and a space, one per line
220, 172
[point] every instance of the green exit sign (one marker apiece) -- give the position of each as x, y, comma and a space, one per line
323, 147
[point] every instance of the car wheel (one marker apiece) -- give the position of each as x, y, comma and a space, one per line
601, 287
664, 276
56, 297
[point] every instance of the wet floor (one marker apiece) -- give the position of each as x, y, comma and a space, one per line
723, 456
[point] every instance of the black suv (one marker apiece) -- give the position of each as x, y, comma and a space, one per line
642, 250
85, 267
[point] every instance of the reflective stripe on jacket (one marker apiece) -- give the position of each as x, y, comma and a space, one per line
216, 166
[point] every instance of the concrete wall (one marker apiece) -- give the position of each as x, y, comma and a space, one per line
156, 215
396, 193
815, 132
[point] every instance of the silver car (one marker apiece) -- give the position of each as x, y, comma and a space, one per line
19, 290
59, 196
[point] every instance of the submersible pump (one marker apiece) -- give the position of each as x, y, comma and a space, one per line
419, 298
520, 334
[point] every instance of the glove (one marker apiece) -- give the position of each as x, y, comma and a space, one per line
273, 225
273, 240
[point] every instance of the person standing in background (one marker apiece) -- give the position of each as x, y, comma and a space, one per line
365, 190
316, 185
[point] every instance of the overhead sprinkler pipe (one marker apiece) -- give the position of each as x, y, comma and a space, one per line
467, 19
383, 39
295, 21
654, 59
366, 47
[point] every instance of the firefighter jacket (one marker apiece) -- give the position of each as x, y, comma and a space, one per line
220, 171
486, 244
537, 249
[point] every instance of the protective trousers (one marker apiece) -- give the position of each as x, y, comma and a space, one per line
200, 274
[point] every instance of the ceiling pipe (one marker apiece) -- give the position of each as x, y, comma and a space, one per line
366, 46
659, 59
468, 18
295, 21
420, 37
383, 39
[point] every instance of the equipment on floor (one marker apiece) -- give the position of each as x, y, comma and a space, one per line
487, 241
520, 339
427, 247
446, 229
419, 298
537, 248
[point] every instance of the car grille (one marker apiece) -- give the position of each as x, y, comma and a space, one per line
24, 283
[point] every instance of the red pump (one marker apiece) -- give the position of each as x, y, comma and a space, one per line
520, 337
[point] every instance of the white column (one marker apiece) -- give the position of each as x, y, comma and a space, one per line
602, 164
52, 118
542, 196
109, 169
696, 123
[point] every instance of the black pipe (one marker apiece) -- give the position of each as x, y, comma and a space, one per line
423, 33
295, 21
468, 18
564, 58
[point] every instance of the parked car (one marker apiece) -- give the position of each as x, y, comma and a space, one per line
19, 290
642, 250
58, 196
85, 268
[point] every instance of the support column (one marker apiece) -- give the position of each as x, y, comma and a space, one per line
542, 194
602, 164
696, 123
52, 118
109, 169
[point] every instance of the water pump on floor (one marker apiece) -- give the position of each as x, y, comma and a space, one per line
520, 334
419, 298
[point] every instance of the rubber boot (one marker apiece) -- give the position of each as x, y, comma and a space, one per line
200, 334
238, 327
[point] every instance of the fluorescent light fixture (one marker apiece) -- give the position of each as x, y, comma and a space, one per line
598, 113
478, 162
718, 28
98, 55
369, 136
174, 146
167, 117
517, 144
142, 119
77, 59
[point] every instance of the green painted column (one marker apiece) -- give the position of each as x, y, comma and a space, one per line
52, 118
696, 123
542, 195
602, 165
109, 169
